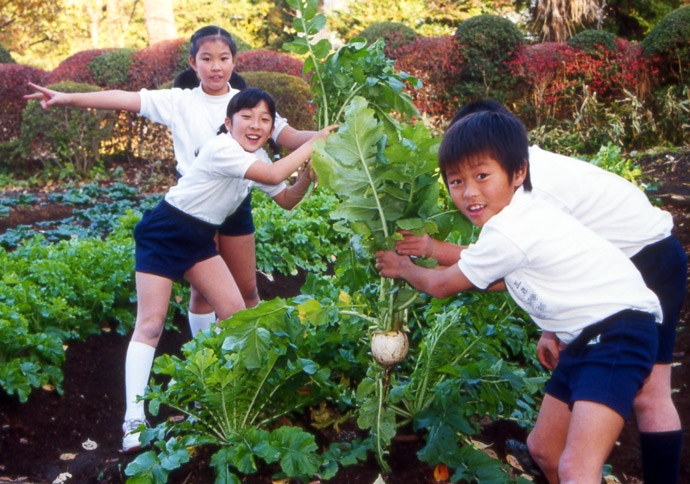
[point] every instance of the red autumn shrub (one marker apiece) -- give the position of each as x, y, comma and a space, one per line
554, 76
268, 61
155, 65
13, 86
436, 62
75, 68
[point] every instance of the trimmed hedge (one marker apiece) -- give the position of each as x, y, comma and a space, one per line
76, 68
65, 136
13, 86
486, 43
5, 56
268, 61
291, 94
157, 64
592, 41
437, 63
111, 68
394, 34
669, 43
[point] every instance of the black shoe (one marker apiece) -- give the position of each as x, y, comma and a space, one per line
521, 453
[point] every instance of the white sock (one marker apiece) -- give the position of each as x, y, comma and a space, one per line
137, 371
200, 322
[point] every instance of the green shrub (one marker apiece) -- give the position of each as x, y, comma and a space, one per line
5, 56
75, 68
70, 138
669, 41
111, 68
394, 34
591, 41
486, 42
291, 94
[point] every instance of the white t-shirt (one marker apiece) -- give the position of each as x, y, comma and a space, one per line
192, 116
606, 203
214, 185
561, 273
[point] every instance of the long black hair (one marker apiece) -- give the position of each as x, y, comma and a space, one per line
188, 78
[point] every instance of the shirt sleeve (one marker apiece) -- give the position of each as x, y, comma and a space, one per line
157, 105
279, 125
491, 258
230, 160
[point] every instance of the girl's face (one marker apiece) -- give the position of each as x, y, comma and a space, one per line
213, 64
482, 188
251, 127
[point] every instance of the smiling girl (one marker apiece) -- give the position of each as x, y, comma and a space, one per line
193, 116
176, 239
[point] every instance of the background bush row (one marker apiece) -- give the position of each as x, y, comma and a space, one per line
575, 95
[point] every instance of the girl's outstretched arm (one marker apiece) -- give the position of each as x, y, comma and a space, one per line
112, 100
292, 138
284, 167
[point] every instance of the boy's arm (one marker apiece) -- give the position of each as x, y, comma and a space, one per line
292, 195
445, 253
112, 100
437, 283
277, 172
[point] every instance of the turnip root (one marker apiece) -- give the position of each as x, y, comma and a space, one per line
389, 349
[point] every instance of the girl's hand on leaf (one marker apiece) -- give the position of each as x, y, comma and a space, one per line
390, 264
47, 96
322, 134
414, 245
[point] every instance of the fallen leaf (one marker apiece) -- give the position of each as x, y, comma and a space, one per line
48, 387
441, 473
62, 478
89, 444
611, 480
281, 481
67, 456
512, 460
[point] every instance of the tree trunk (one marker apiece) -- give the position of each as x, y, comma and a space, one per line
160, 20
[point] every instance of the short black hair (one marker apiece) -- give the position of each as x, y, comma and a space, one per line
500, 135
476, 107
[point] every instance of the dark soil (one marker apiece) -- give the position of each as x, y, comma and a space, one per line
41, 439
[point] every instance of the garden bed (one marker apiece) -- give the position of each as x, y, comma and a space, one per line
43, 438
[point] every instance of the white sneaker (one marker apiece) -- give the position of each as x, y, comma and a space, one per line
130, 439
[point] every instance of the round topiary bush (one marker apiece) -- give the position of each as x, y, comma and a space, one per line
592, 41
111, 68
268, 61
394, 34
70, 138
5, 56
75, 68
291, 94
486, 43
669, 41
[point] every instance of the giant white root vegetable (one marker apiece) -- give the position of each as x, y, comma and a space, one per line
389, 349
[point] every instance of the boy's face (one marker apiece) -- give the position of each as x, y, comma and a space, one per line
482, 188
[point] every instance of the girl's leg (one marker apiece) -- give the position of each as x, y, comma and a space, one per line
659, 425
153, 296
548, 437
213, 279
239, 253
592, 433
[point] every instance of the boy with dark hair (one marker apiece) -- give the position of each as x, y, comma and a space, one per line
569, 280
620, 212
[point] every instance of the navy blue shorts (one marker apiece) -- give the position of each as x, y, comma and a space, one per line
169, 242
241, 222
610, 369
664, 268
